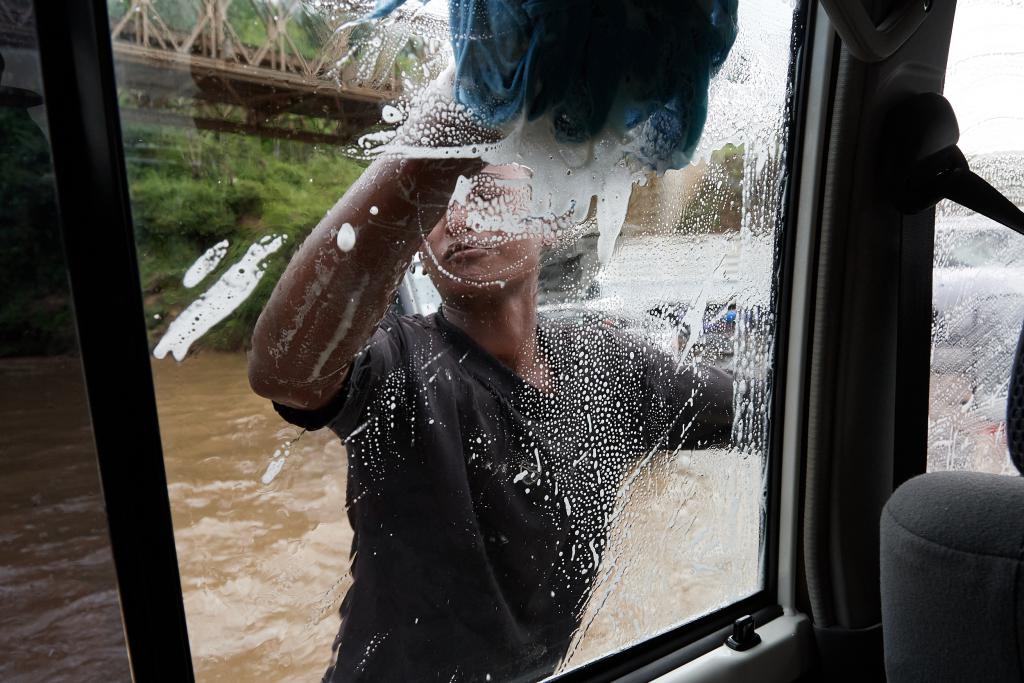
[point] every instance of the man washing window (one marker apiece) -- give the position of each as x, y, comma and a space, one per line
486, 446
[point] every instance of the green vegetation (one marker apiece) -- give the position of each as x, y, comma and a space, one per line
189, 190
717, 200
35, 311
192, 189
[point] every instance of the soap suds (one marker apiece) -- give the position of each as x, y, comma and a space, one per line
219, 301
205, 264
346, 237
564, 178
343, 327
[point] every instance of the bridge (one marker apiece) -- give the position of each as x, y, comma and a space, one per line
270, 68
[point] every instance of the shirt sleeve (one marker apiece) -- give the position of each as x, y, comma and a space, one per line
380, 356
688, 407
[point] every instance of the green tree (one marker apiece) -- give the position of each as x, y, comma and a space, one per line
35, 311
191, 189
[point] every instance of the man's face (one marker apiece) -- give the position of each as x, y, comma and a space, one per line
483, 241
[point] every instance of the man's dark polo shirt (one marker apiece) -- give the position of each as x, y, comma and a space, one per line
481, 505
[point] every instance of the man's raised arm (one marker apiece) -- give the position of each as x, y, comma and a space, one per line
342, 279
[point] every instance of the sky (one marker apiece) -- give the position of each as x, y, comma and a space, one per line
985, 75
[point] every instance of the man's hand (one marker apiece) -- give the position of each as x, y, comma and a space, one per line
331, 298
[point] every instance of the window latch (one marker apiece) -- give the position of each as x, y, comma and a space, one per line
743, 635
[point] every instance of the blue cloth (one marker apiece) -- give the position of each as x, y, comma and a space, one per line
593, 66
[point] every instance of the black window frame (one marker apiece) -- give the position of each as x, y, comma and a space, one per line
89, 165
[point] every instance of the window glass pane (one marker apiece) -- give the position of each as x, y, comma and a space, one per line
60, 619
522, 381
978, 297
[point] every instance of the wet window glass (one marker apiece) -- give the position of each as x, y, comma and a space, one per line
978, 276
462, 322
60, 619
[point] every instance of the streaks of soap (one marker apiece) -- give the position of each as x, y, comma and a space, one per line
688, 529
220, 300
744, 100
747, 98
310, 300
460, 195
347, 316
205, 264
564, 178
273, 469
276, 463
492, 208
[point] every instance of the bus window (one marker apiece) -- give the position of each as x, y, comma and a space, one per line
519, 377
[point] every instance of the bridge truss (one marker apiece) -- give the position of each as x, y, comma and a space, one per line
271, 88
271, 68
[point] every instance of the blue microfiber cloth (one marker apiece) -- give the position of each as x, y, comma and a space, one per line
593, 66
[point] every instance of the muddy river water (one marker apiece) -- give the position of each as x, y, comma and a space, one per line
262, 538
59, 618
